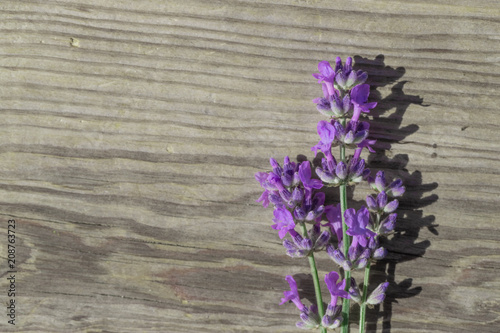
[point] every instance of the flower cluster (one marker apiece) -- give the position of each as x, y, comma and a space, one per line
351, 238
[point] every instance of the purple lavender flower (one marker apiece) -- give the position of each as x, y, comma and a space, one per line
378, 295
358, 223
293, 294
335, 288
379, 184
283, 221
327, 134
327, 75
305, 176
334, 217
359, 97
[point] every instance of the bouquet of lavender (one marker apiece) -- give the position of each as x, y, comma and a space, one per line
350, 238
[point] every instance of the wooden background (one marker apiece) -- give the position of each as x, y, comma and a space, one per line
130, 132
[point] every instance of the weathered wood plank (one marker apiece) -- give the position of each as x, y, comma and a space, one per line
130, 132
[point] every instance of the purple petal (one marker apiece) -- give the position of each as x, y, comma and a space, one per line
359, 94
326, 131
326, 70
293, 294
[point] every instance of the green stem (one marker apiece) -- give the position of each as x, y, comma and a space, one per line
345, 238
314, 273
362, 311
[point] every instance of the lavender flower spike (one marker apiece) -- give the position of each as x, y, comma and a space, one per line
293, 294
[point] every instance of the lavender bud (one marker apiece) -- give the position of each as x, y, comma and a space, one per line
380, 181
322, 240
306, 244
348, 64
391, 206
338, 257
299, 214
360, 136
388, 224
297, 239
346, 103
331, 322
362, 77
296, 179
381, 200
361, 263
349, 138
351, 79
297, 195
276, 167
354, 291
326, 176
301, 325
357, 168
310, 317
354, 252
275, 199
341, 170
286, 195
371, 203
379, 253
314, 232
372, 243
333, 310
363, 259
289, 246
341, 80
396, 189
378, 295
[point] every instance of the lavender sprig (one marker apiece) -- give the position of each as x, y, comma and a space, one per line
292, 190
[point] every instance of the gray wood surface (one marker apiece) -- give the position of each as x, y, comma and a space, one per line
130, 132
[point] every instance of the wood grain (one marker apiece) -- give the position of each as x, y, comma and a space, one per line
130, 132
